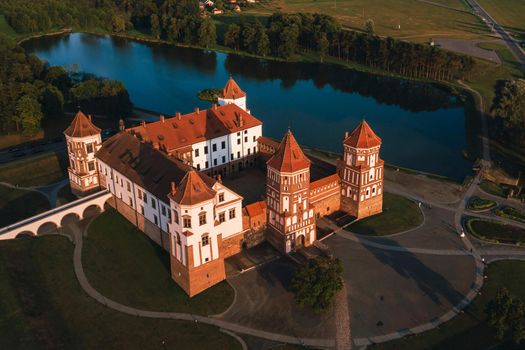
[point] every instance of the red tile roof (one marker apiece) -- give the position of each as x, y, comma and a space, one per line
81, 126
363, 137
193, 190
174, 133
289, 157
256, 209
232, 91
324, 181
144, 165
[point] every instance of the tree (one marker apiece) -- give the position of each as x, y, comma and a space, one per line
155, 26
29, 115
322, 45
52, 101
207, 35
370, 26
507, 315
317, 282
232, 37
509, 102
219, 4
118, 23
262, 42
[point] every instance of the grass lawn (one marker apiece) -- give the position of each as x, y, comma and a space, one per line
469, 330
419, 21
493, 188
477, 204
125, 265
399, 214
5, 28
495, 232
64, 195
511, 213
44, 169
16, 205
503, 52
42, 306
508, 13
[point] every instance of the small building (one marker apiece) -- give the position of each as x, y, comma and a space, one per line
216, 11
232, 94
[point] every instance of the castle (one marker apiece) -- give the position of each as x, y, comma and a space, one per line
166, 178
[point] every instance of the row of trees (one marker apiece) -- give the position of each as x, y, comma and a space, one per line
31, 91
508, 109
288, 34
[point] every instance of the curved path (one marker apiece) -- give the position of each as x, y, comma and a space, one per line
92, 292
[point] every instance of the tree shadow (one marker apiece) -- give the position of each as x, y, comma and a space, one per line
408, 265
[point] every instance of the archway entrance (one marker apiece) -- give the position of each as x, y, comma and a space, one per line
299, 242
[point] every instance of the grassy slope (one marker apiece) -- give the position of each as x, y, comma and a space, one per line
125, 265
469, 330
43, 306
399, 214
508, 13
41, 170
16, 205
419, 21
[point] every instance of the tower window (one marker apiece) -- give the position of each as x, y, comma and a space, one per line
89, 148
205, 240
186, 222
91, 166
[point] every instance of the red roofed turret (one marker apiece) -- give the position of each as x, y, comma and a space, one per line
193, 190
81, 126
232, 91
289, 157
362, 137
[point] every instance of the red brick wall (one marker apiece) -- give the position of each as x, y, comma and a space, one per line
328, 204
232, 245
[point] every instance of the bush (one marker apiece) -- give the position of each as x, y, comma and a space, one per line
511, 213
478, 204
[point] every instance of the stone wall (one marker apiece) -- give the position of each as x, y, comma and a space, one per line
232, 245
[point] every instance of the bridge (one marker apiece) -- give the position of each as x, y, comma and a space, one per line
57, 217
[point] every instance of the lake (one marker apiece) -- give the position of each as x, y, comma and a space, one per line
422, 126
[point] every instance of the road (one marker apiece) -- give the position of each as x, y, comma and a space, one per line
492, 24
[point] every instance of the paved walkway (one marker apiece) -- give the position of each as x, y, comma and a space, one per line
48, 191
343, 334
92, 292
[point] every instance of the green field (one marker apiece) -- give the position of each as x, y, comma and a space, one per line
399, 214
16, 205
508, 13
419, 21
469, 330
41, 170
122, 263
42, 306
5, 28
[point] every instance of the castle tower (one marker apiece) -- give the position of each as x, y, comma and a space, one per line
232, 93
195, 246
361, 172
290, 218
83, 141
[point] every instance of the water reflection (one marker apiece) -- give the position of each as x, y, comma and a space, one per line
422, 125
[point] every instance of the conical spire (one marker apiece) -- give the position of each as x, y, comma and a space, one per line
232, 91
363, 137
289, 157
81, 126
193, 190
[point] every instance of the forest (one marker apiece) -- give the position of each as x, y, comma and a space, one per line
31, 90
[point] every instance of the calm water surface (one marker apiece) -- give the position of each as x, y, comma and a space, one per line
422, 127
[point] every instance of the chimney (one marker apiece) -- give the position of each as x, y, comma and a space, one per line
214, 106
162, 118
219, 178
143, 124
173, 188
89, 117
346, 135
177, 115
196, 110
121, 125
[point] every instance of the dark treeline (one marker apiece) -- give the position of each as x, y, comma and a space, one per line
283, 35
410, 95
31, 91
174, 20
289, 34
508, 109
